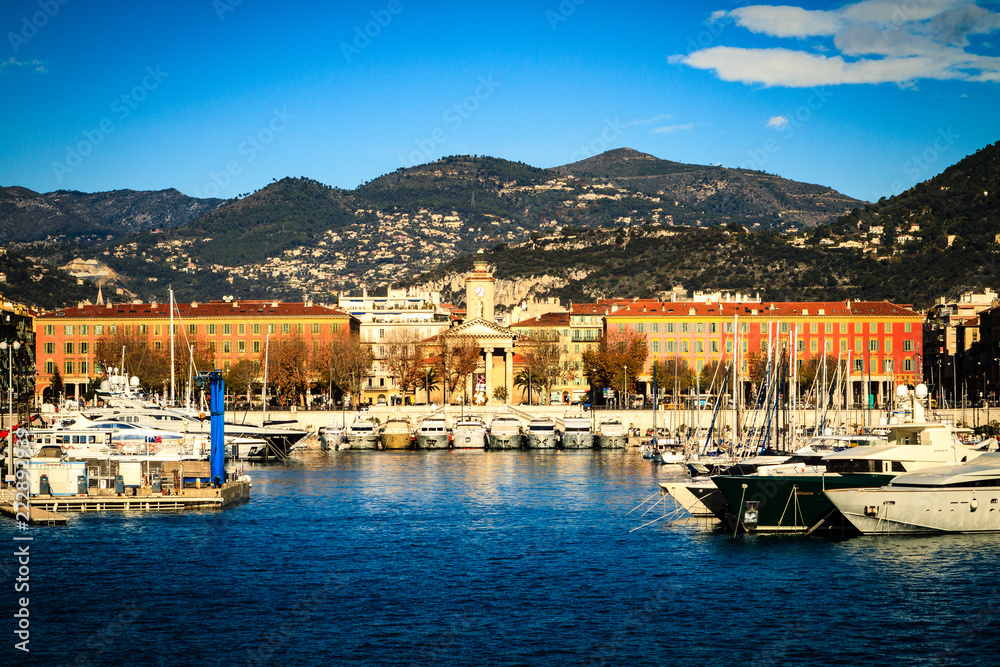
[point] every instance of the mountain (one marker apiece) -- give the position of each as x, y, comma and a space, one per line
27, 216
716, 194
32, 283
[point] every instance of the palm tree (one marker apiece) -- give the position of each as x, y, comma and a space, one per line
428, 380
527, 380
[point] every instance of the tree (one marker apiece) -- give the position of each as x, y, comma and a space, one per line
545, 362
403, 356
460, 357
527, 380
810, 374
712, 375
56, 385
674, 376
241, 376
500, 393
287, 368
343, 363
428, 380
617, 353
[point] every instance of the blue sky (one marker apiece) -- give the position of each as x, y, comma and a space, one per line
217, 98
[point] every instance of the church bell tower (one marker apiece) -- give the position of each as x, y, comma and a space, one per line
479, 292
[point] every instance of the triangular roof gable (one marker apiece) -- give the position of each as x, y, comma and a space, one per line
481, 328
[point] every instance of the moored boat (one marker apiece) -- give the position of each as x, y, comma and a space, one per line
331, 437
433, 433
541, 434
576, 432
397, 433
611, 434
505, 432
362, 434
469, 433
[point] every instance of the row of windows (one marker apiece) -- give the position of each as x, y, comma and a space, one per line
192, 329
874, 365
783, 327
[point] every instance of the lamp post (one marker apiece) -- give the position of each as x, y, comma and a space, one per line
625, 387
10, 347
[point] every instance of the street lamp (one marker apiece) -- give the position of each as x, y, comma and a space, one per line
10, 347
625, 387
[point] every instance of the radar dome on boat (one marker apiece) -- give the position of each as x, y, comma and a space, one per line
134, 382
902, 390
105, 385
921, 390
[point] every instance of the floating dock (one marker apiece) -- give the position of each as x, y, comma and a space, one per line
50, 510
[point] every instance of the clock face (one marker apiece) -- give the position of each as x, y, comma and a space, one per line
480, 290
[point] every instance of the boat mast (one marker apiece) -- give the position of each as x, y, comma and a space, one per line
736, 357
267, 347
171, 345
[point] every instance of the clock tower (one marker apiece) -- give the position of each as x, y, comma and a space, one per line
479, 292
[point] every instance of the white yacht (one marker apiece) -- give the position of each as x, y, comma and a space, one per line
576, 432
611, 434
469, 433
362, 434
331, 437
505, 432
542, 434
956, 498
397, 432
433, 433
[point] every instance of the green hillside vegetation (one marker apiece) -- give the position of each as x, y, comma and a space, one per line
39, 286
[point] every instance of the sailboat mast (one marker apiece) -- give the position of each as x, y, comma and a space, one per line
267, 348
171, 346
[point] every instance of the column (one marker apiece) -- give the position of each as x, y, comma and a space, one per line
508, 363
489, 375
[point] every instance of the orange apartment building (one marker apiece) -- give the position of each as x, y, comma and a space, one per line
880, 342
235, 330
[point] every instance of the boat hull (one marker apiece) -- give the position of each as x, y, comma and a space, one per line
684, 496
469, 439
362, 442
397, 441
432, 441
611, 441
504, 440
330, 441
920, 510
788, 503
542, 440
578, 440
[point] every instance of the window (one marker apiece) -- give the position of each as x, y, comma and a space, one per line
829, 327
242, 329
315, 327
783, 327
843, 345
872, 345
699, 327
84, 368
211, 329
888, 346
729, 346
381, 334
699, 346
193, 329
256, 328
143, 329
128, 329
814, 345
256, 347
671, 327
684, 346
271, 328
50, 330
656, 346
813, 327
907, 345
745, 345
713, 327
685, 327
226, 366
69, 329
671, 346
857, 346
211, 345
873, 327
906, 327
84, 348
857, 327
802, 345
888, 327
727, 327
335, 327
843, 327
907, 364
156, 330
714, 345
621, 327
227, 347
763, 327
241, 347
859, 365
157, 345
299, 328
84, 329
227, 329
874, 365
69, 367
828, 346
640, 327
50, 367
68, 349
576, 349
699, 365
50, 348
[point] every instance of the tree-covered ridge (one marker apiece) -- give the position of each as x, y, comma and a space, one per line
40, 286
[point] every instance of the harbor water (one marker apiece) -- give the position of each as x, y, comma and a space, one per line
501, 558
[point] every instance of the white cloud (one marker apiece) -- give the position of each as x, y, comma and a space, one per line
777, 122
37, 65
647, 121
878, 41
667, 129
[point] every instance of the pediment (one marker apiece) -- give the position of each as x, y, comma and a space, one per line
480, 328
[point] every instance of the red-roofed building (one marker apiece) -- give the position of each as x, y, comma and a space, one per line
235, 330
880, 341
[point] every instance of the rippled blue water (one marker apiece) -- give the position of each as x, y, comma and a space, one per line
507, 558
